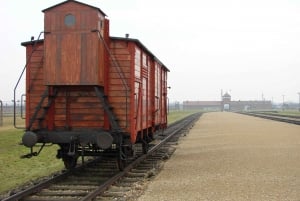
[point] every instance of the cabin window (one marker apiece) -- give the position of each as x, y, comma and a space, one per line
69, 20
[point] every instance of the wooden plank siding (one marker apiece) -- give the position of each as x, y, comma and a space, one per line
77, 108
34, 79
160, 93
74, 54
74, 107
164, 103
148, 87
119, 73
146, 74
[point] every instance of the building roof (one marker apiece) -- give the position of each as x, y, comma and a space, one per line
202, 103
74, 2
226, 95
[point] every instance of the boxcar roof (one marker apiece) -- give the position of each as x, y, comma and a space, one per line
32, 42
136, 41
75, 2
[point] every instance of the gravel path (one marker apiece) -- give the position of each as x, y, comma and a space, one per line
228, 156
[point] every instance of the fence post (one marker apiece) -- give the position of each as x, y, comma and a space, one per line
1, 113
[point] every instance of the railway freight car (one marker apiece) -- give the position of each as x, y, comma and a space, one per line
88, 92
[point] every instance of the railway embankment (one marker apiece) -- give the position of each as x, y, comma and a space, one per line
229, 156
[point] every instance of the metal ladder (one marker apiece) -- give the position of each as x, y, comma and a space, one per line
50, 98
34, 48
108, 109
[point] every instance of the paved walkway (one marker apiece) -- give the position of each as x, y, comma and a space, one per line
228, 156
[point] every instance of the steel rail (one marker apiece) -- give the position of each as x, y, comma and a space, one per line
171, 131
186, 121
277, 115
284, 118
36, 188
44, 184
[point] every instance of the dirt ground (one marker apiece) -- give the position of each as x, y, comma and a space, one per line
228, 156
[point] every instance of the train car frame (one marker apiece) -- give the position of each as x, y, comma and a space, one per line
88, 92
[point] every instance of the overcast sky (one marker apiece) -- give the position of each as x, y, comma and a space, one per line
250, 49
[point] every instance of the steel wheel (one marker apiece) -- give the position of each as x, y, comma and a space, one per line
70, 161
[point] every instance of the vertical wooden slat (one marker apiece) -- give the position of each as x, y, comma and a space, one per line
72, 53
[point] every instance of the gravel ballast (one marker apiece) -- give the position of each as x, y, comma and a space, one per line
228, 156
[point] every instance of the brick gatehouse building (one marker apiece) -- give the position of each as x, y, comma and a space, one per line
226, 104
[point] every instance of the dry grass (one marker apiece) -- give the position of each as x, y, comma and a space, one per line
176, 115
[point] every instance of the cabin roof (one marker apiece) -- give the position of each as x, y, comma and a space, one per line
74, 2
142, 46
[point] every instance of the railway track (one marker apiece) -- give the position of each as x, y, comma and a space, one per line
101, 179
276, 117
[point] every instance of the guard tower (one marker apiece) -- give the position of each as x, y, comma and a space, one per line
226, 99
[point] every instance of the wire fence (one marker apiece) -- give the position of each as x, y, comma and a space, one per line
1, 113
7, 112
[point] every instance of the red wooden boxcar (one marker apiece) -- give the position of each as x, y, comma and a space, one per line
88, 92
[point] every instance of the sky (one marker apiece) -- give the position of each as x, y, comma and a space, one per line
250, 49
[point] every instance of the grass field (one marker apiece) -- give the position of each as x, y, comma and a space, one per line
176, 115
286, 112
15, 171
289, 112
